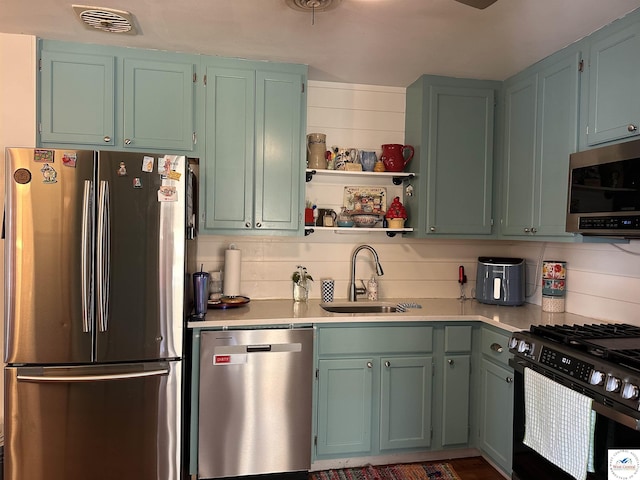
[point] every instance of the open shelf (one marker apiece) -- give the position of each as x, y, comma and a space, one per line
391, 232
396, 177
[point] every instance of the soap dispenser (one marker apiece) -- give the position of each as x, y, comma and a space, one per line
372, 289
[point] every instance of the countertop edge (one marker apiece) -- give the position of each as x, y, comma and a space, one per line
286, 312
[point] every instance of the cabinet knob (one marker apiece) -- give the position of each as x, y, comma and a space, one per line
632, 128
496, 347
127, 141
527, 230
387, 364
509, 379
369, 365
432, 229
259, 225
248, 224
534, 230
450, 361
107, 139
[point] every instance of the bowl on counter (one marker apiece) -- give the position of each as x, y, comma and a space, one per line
365, 219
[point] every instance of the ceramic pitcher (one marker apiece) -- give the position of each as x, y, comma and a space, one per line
394, 156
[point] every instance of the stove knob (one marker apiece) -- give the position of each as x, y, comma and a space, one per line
596, 378
524, 347
513, 342
630, 391
613, 384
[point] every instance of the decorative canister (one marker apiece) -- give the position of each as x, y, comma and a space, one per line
316, 151
552, 304
554, 274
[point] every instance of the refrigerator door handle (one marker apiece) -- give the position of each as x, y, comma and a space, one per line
91, 378
86, 256
103, 256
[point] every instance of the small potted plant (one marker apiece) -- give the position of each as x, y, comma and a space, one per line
301, 284
396, 214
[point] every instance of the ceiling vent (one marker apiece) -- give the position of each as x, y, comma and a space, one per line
105, 19
313, 5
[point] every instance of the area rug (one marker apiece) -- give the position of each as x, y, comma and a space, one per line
411, 471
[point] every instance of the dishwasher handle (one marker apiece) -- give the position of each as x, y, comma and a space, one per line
257, 348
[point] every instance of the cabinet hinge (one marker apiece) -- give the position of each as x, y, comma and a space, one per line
581, 66
315, 440
204, 80
317, 373
39, 127
195, 77
491, 222
195, 138
39, 64
302, 85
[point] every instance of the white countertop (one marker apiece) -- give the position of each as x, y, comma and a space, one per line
287, 312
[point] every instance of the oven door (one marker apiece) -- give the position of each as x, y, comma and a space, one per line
614, 430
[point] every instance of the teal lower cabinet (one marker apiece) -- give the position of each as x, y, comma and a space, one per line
405, 402
345, 403
374, 391
456, 385
496, 399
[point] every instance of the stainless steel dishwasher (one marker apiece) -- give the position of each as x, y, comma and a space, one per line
255, 402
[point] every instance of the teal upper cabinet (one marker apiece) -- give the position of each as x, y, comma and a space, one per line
107, 97
254, 122
541, 131
614, 76
158, 104
450, 122
77, 93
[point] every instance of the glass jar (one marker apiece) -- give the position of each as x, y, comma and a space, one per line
301, 291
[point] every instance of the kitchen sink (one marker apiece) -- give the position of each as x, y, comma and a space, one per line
360, 308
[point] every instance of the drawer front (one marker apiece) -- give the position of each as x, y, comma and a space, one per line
358, 340
495, 346
457, 338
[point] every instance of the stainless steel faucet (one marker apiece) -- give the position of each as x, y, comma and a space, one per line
354, 291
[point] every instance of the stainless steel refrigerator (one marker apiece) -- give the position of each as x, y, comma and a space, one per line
97, 268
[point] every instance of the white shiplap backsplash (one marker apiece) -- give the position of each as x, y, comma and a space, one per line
603, 281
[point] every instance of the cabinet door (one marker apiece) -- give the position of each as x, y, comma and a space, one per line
455, 405
496, 413
557, 138
158, 104
614, 76
278, 151
405, 402
345, 393
77, 98
519, 156
460, 160
229, 166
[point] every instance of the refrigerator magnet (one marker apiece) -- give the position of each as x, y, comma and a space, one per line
49, 175
167, 193
147, 164
164, 166
22, 176
173, 175
69, 160
137, 183
43, 156
122, 170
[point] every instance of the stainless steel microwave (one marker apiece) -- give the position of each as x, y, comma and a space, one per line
604, 191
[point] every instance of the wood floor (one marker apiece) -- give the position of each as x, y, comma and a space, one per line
474, 468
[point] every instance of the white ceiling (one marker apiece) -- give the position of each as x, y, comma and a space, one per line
380, 42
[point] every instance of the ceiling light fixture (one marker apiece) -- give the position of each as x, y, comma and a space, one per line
105, 19
312, 6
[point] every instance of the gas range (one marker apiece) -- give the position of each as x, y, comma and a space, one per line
601, 361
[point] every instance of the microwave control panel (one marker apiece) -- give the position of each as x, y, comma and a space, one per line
631, 222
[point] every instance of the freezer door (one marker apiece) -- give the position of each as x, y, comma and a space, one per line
47, 255
140, 256
93, 423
